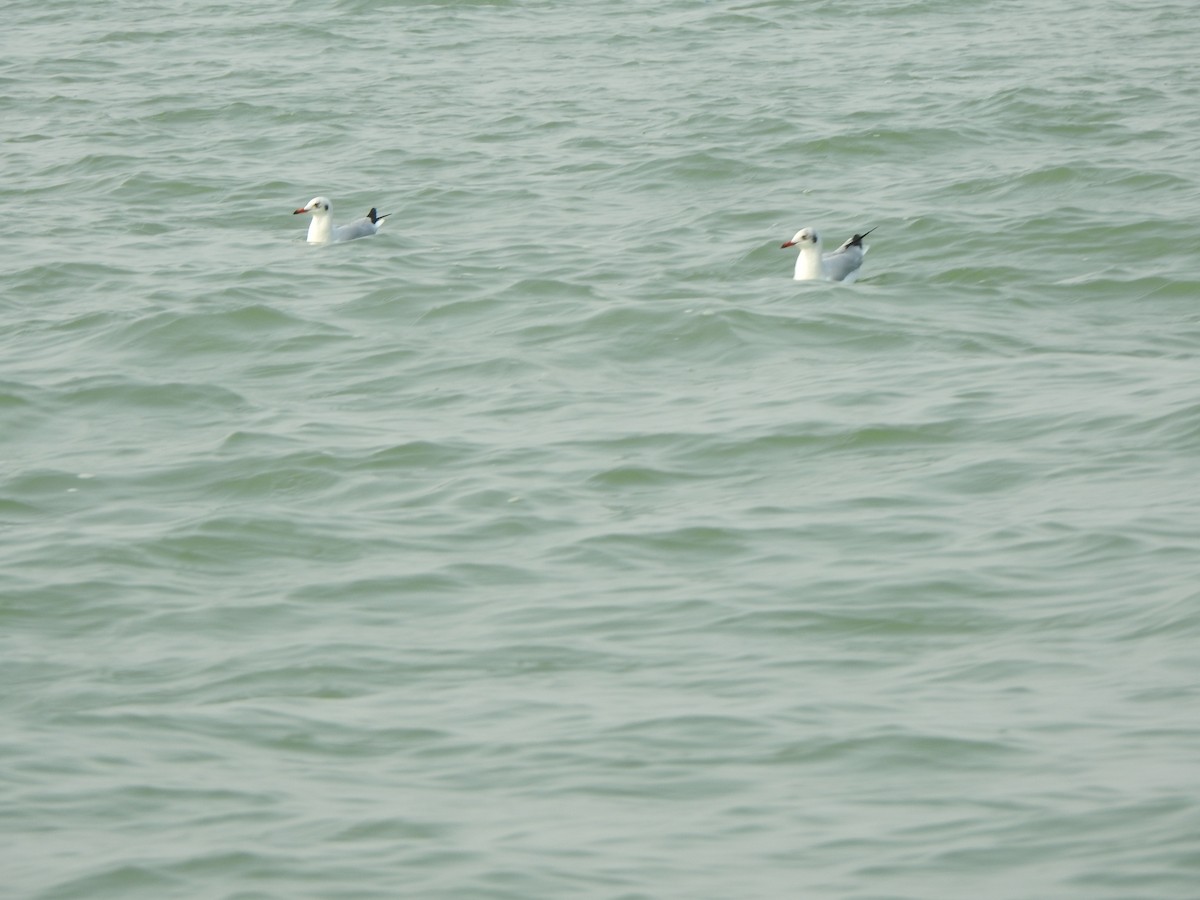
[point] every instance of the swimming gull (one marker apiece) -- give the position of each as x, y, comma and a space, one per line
840, 265
321, 229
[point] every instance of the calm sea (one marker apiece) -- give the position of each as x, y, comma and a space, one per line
555, 543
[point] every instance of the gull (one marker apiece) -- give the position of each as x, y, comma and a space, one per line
321, 229
840, 265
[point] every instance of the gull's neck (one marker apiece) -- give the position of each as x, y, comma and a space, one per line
320, 229
808, 264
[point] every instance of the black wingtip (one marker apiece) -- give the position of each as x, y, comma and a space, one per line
375, 217
857, 240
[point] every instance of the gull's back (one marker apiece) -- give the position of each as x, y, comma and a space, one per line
364, 227
844, 262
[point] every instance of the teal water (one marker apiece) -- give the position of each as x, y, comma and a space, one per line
554, 542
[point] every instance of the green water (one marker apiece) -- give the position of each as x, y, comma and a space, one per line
555, 542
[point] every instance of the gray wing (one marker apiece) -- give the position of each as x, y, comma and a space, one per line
356, 229
843, 263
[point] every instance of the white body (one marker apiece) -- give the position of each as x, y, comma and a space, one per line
321, 229
813, 265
